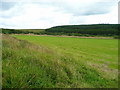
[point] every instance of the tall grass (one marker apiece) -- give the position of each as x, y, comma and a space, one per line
27, 65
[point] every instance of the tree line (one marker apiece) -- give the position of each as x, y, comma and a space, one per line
72, 30
98, 29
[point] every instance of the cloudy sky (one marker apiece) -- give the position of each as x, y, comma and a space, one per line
48, 13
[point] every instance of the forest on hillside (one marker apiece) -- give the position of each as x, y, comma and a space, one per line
71, 30
97, 29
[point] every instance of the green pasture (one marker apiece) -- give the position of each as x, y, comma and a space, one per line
59, 62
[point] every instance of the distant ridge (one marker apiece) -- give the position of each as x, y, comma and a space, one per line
93, 29
71, 30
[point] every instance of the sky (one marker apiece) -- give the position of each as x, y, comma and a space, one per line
42, 14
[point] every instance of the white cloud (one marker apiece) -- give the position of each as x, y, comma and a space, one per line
48, 13
111, 17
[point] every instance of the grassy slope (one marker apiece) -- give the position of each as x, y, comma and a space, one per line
59, 62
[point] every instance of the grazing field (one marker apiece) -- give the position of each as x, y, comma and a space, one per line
58, 62
31, 30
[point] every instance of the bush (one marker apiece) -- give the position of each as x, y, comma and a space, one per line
116, 37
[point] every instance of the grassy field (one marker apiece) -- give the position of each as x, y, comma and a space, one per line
58, 62
31, 30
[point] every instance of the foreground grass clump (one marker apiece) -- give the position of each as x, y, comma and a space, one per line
29, 65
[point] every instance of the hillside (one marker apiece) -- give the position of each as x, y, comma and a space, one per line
71, 30
95, 29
